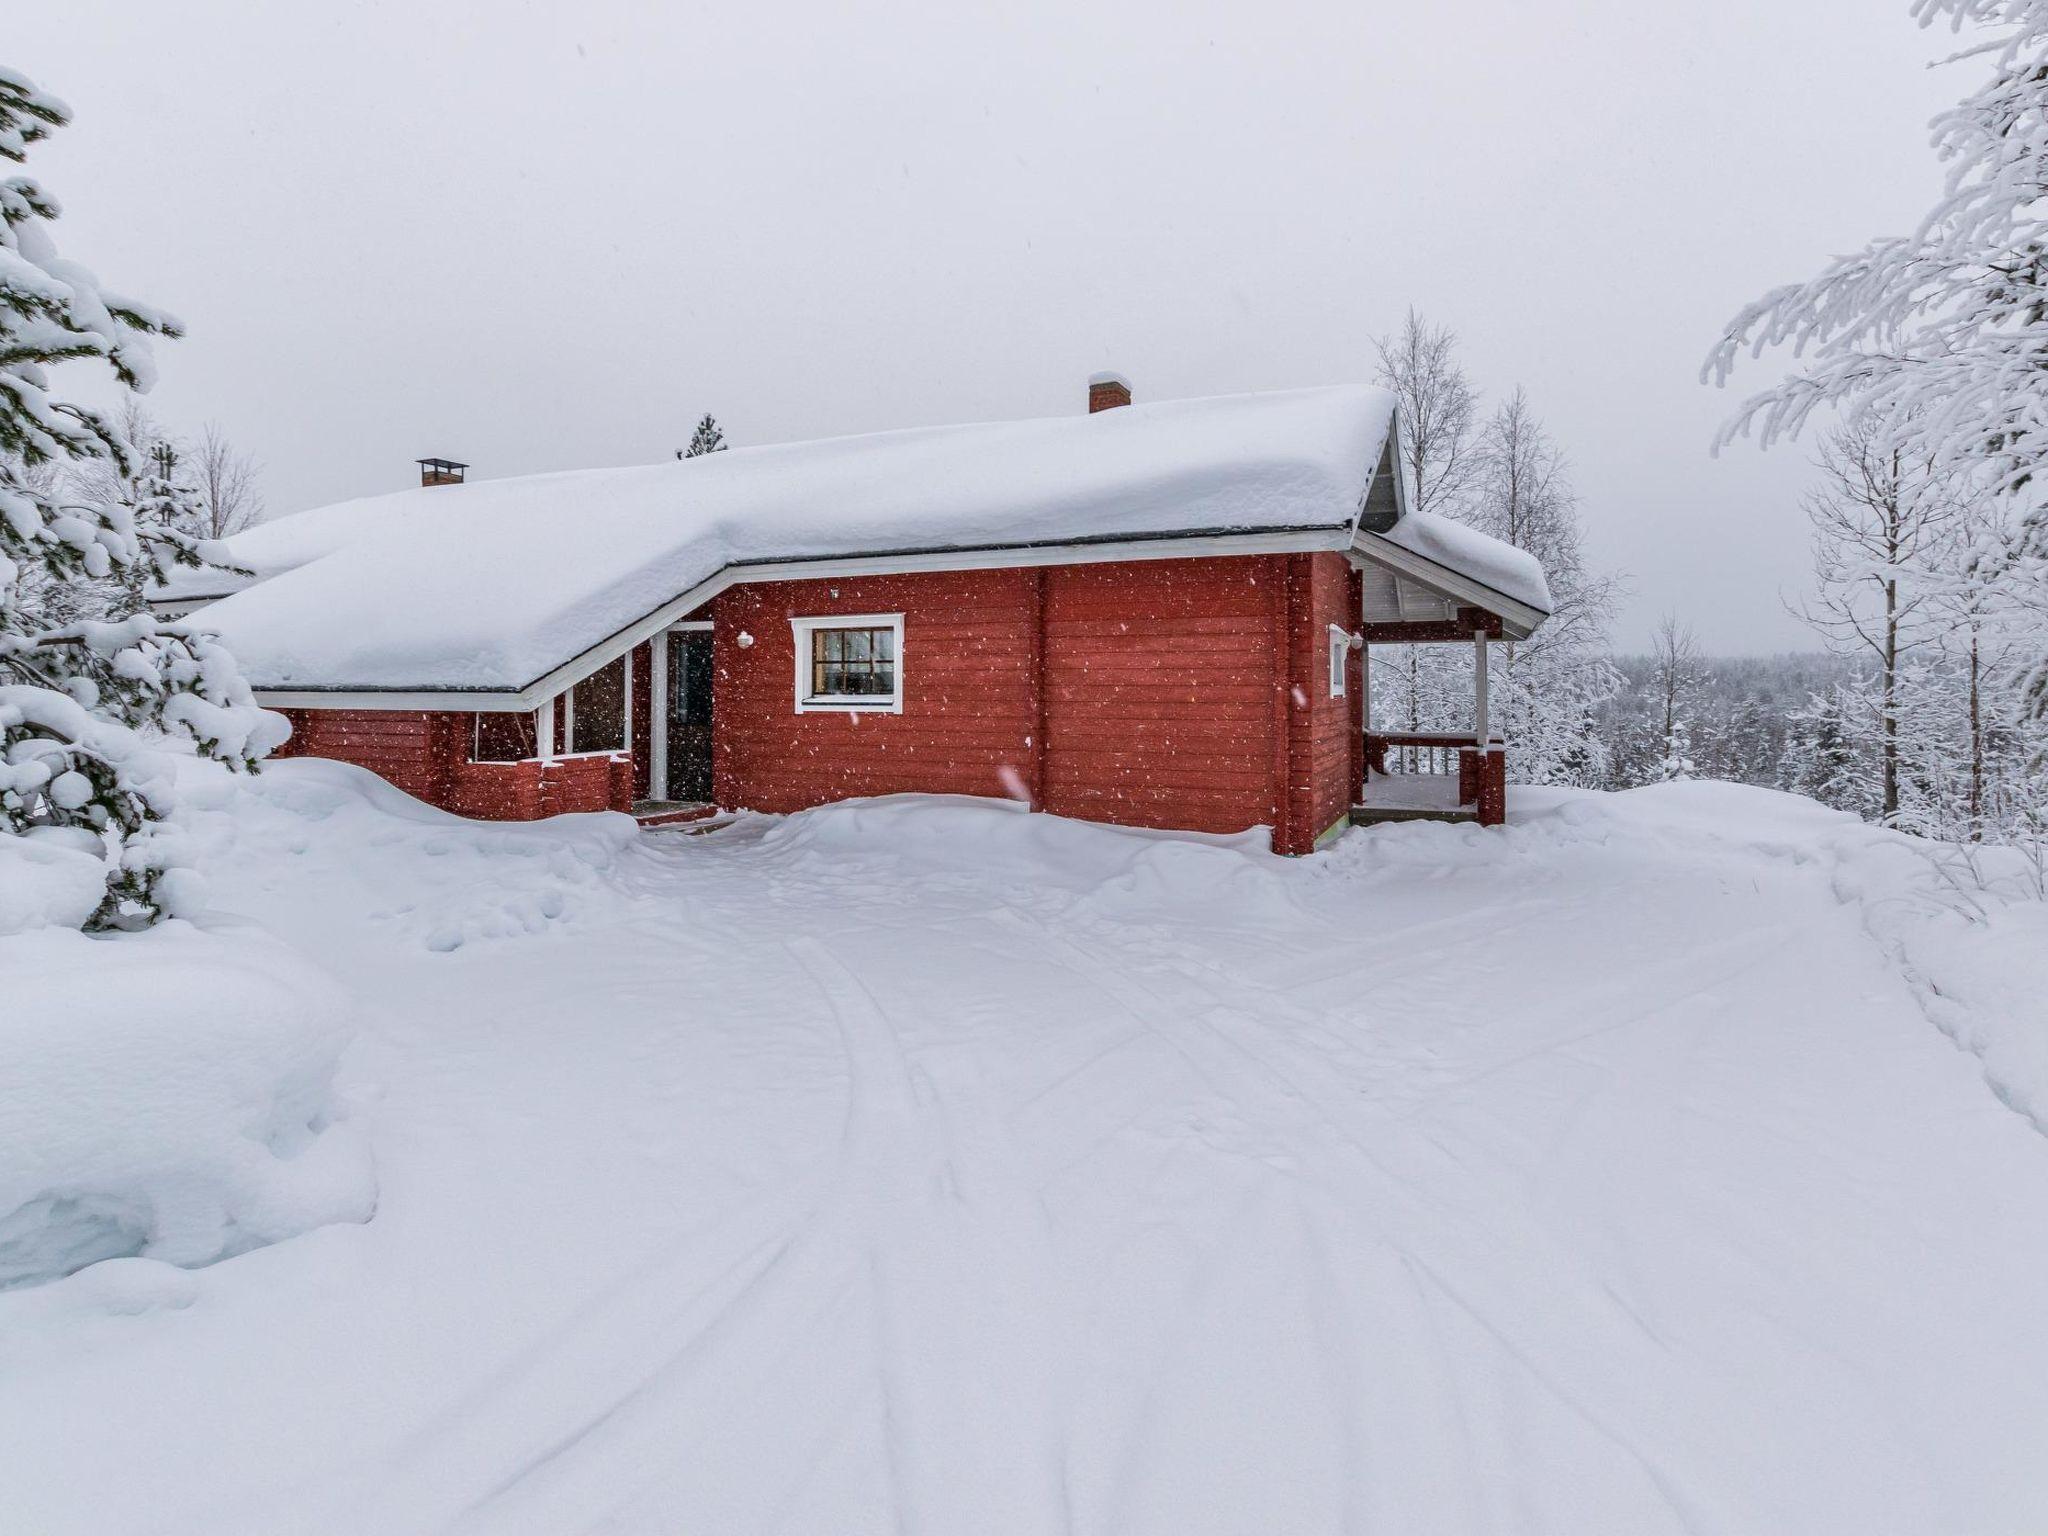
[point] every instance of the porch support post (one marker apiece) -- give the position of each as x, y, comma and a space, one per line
627, 678
1480, 732
544, 729
657, 717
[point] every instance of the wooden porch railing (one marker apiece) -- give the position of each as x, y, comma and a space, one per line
1418, 751
1481, 775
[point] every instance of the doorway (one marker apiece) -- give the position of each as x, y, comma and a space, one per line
689, 715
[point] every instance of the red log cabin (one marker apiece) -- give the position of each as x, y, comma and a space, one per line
1153, 615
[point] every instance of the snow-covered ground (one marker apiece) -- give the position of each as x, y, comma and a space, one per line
1664, 1162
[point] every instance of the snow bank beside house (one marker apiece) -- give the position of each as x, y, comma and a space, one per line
166, 1095
1968, 934
427, 878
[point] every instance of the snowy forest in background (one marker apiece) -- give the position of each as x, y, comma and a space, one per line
1908, 712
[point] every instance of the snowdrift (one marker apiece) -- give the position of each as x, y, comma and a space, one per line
427, 877
1599, 1173
167, 1095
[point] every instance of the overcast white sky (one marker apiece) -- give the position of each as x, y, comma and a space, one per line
551, 235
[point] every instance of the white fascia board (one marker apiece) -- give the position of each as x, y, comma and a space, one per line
1389, 453
1400, 466
1518, 619
574, 670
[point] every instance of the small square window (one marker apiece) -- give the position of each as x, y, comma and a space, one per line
1340, 654
849, 663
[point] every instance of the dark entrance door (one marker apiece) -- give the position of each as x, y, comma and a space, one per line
689, 715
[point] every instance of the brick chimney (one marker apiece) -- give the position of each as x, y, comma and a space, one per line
1106, 391
440, 471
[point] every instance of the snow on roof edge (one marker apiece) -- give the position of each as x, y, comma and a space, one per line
1495, 564
380, 594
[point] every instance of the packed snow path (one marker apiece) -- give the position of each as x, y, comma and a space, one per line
924, 1166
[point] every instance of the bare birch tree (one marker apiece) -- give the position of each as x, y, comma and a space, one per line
1677, 672
1439, 409
1883, 527
225, 478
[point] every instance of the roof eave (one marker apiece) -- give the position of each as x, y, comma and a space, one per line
1186, 544
1519, 620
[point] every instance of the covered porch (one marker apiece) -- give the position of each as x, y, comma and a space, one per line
1429, 775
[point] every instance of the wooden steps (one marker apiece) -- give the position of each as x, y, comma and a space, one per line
1374, 815
654, 814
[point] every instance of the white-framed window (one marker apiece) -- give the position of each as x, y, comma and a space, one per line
849, 661
1340, 651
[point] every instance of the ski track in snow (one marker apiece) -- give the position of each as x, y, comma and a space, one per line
838, 1175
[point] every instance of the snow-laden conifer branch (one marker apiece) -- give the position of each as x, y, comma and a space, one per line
82, 699
1938, 339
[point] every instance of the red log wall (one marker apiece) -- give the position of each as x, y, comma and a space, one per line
426, 754
967, 704
1159, 693
1188, 694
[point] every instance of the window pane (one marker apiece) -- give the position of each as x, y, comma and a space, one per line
853, 663
601, 710
504, 738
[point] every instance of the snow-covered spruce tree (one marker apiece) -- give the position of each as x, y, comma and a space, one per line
1942, 334
1828, 756
77, 698
1677, 762
166, 507
706, 439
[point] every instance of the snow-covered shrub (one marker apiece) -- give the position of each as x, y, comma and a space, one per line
76, 694
168, 1094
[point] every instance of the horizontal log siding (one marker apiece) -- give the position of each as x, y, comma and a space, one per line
411, 748
968, 704
1158, 693
426, 754
1319, 776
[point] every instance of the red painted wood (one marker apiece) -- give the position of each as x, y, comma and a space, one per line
1169, 693
426, 754
968, 715
1324, 738
1156, 674
1354, 681
1493, 787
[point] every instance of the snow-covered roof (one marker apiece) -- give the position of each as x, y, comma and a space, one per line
492, 585
1491, 562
